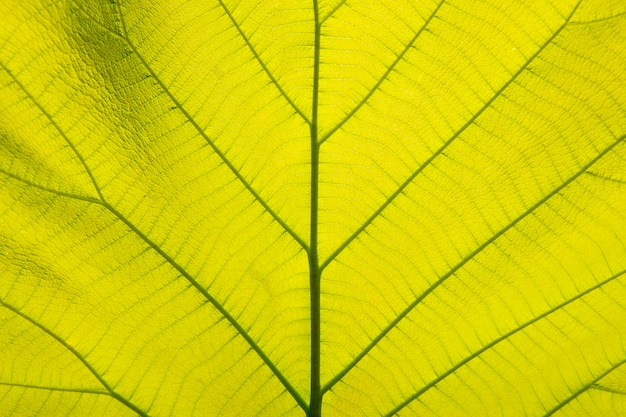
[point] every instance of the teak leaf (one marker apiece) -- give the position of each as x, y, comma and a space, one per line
312, 208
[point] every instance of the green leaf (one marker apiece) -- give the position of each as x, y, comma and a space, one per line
336, 207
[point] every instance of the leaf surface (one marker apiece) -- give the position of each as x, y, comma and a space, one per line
337, 208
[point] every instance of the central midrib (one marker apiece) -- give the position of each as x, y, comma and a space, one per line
315, 406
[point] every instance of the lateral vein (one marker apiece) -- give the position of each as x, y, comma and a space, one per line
61, 389
263, 65
216, 304
498, 340
80, 357
590, 385
464, 261
439, 151
155, 247
51, 190
208, 140
384, 76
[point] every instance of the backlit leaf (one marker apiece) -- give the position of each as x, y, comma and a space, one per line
327, 207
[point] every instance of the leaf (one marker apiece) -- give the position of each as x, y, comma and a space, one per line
337, 208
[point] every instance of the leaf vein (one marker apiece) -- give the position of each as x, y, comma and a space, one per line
216, 304
51, 190
464, 261
496, 341
41, 387
601, 387
591, 385
333, 11
384, 76
156, 248
263, 65
208, 140
603, 19
440, 151
56, 127
80, 357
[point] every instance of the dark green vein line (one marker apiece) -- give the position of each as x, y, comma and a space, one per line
384, 76
605, 178
333, 11
439, 151
268, 362
464, 261
500, 339
584, 388
76, 390
155, 247
262, 64
50, 190
80, 357
601, 387
604, 19
56, 127
208, 140
315, 409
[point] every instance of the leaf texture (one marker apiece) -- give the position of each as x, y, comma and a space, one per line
321, 208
